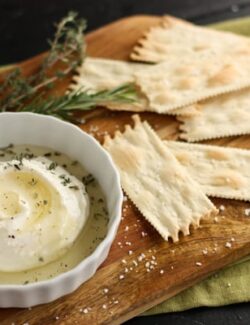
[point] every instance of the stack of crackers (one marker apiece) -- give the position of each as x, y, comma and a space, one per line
203, 78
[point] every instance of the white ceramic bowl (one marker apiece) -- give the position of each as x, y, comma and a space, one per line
34, 129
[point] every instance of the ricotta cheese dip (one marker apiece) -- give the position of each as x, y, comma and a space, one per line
53, 214
42, 210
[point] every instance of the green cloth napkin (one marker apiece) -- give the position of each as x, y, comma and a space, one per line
230, 285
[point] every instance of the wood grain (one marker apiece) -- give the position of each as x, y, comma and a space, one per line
131, 289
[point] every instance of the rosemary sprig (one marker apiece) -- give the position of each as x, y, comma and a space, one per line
67, 49
65, 106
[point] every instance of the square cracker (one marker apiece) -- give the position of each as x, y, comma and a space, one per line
221, 172
176, 37
225, 115
97, 74
182, 81
158, 185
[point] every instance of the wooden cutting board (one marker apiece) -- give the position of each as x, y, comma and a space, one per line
131, 289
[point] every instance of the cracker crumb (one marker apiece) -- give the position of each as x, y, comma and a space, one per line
198, 263
205, 251
104, 306
216, 219
161, 271
121, 277
130, 252
228, 245
229, 284
57, 318
85, 310
141, 257
135, 263
221, 208
247, 212
105, 290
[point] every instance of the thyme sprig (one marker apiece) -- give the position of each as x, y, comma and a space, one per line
65, 106
66, 49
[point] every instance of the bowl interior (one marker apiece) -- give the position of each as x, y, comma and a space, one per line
34, 129
47, 131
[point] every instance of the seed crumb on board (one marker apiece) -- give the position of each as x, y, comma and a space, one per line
141, 257
205, 251
221, 208
247, 212
198, 263
228, 245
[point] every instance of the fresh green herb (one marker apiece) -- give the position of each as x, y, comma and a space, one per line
33, 182
87, 179
28, 94
52, 166
66, 49
74, 187
48, 154
65, 106
66, 180
17, 167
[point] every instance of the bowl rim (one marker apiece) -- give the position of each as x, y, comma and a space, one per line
113, 224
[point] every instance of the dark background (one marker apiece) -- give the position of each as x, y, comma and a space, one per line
25, 25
